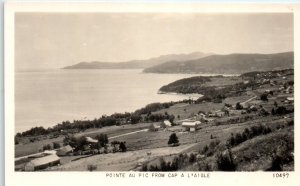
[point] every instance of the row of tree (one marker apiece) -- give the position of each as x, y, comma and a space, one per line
143, 114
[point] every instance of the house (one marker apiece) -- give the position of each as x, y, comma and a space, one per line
42, 163
165, 124
201, 117
217, 113
154, 127
246, 82
91, 140
191, 125
66, 150
289, 100
252, 108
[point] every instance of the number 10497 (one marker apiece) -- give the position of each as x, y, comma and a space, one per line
280, 175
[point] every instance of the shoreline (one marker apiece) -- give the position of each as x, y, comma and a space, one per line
187, 96
175, 93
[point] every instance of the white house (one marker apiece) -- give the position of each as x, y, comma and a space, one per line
191, 125
91, 140
166, 123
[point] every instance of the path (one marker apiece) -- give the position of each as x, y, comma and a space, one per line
39, 153
249, 100
129, 133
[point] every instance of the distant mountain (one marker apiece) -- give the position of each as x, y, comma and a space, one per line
138, 64
227, 64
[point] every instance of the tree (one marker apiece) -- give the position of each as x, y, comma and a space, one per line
135, 118
192, 158
122, 147
16, 140
91, 167
173, 140
264, 97
56, 145
238, 106
81, 142
102, 140
225, 161
47, 147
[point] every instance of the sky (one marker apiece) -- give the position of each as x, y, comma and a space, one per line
55, 40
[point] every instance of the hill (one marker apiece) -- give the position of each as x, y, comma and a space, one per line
138, 64
227, 64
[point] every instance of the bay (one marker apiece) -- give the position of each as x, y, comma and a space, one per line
46, 98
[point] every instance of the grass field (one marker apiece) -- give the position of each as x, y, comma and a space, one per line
37, 146
120, 161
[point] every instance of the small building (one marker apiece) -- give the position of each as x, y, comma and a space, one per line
49, 152
154, 127
191, 125
202, 118
64, 151
165, 124
289, 100
246, 82
42, 163
217, 113
91, 140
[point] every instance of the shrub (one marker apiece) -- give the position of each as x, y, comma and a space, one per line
153, 168
16, 141
204, 150
192, 158
174, 164
123, 147
277, 163
47, 147
281, 110
163, 165
91, 167
173, 139
238, 106
225, 162
290, 123
210, 149
56, 145
102, 140
264, 97
204, 166
144, 167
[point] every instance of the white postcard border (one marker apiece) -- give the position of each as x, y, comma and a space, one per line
99, 178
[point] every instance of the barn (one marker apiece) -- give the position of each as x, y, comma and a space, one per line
42, 163
66, 150
191, 125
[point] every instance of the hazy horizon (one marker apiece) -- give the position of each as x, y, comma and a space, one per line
55, 40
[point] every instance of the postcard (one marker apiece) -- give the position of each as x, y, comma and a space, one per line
182, 93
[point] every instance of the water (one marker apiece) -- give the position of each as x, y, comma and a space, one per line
45, 98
